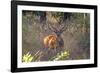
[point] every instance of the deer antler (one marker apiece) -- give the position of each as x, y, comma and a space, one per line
52, 28
64, 25
58, 24
51, 22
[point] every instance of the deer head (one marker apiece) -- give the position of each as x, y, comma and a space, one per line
59, 26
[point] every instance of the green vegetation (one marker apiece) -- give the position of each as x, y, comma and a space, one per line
27, 58
72, 31
61, 56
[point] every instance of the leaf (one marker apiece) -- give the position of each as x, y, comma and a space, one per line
61, 56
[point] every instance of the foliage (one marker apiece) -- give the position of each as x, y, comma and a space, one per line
76, 37
37, 56
27, 58
61, 56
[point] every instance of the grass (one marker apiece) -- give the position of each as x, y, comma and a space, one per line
27, 58
61, 56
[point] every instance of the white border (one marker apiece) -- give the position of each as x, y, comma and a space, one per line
53, 63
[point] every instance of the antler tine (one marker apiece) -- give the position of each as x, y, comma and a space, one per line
64, 25
52, 28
